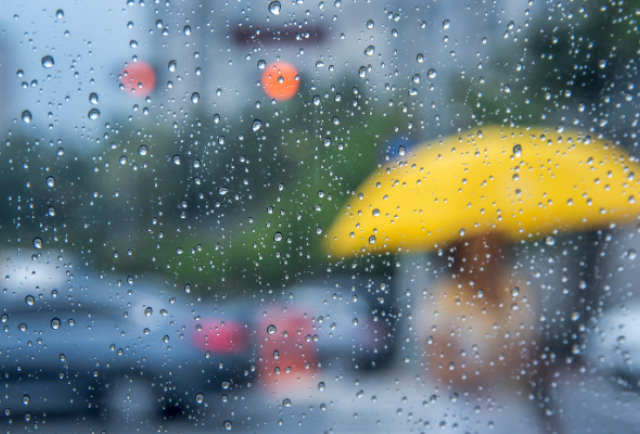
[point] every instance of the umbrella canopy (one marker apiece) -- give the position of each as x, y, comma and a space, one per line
521, 183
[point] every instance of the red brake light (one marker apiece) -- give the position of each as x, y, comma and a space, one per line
221, 337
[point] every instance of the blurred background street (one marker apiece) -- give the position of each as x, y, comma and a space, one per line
334, 217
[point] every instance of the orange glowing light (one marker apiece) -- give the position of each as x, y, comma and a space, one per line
139, 78
279, 81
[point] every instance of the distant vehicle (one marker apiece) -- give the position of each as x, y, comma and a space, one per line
73, 341
342, 319
616, 345
80, 342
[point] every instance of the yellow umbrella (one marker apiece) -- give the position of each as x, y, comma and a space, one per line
521, 183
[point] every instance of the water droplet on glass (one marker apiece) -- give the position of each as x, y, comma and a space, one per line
133, 43
372, 239
223, 191
50, 181
257, 124
93, 98
321, 386
195, 97
55, 323
277, 237
143, 150
59, 14
431, 73
420, 58
47, 61
199, 398
94, 114
227, 425
26, 116
602, 64
550, 241
370, 50
29, 300
25, 399
123, 159
176, 160
262, 64
517, 151
172, 66
187, 30
286, 403
148, 311
271, 329
37, 243
445, 24
274, 7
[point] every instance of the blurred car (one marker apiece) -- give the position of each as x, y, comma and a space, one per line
351, 325
611, 339
615, 347
76, 342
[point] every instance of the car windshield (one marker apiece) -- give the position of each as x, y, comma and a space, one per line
339, 216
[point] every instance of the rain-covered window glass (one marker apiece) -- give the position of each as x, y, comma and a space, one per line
336, 216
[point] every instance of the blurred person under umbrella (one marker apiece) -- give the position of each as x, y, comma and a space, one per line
472, 194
